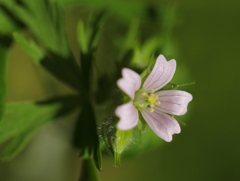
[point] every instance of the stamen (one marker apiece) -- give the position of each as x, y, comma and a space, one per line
140, 105
151, 105
158, 103
144, 94
151, 110
152, 90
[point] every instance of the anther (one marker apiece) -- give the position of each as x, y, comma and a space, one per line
152, 90
158, 103
140, 105
144, 94
151, 110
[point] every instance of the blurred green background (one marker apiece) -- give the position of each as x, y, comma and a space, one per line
208, 43
208, 147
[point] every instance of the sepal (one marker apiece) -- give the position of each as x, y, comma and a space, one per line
122, 139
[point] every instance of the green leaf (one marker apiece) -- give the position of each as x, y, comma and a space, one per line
132, 34
31, 48
123, 9
97, 157
88, 171
143, 142
66, 71
96, 22
88, 37
20, 122
68, 103
7, 22
85, 135
2, 80
5, 43
45, 19
16, 145
143, 53
83, 37
121, 141
20, 117
86, 138
89, 33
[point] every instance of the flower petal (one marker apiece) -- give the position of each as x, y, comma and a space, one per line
128, 115
173, 101
130, 82
161, 74
162, 124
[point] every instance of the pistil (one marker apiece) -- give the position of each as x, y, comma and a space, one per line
147, 100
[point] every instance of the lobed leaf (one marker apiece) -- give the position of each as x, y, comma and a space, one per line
20, 122
29, 46
16, 145
44, 19
85, 135
20, 117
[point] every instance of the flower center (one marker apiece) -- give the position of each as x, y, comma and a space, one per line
152, 99
146, 100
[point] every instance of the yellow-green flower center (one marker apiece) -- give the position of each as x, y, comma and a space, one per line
146, 100
152, 99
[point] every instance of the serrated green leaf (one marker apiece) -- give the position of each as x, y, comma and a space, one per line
31, 48
121, 141
20, 117
45, 20
20, 123
47, 27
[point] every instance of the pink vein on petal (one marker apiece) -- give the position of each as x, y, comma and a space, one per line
162, 124
173, 101
161, 74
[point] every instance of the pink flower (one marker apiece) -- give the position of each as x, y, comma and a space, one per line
155, 106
